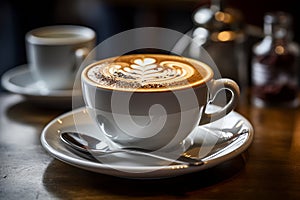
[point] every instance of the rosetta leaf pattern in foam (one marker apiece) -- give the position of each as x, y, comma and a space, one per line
148, 70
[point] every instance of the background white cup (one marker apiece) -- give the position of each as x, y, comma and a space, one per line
152, 119
55, 53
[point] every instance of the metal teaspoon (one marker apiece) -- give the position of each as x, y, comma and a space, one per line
87, 146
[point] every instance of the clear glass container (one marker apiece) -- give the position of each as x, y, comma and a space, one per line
275, 63
219, 29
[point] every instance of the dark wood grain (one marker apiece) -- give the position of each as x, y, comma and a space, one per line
269, 169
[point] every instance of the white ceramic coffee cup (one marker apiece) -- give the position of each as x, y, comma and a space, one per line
154, 119
55, 53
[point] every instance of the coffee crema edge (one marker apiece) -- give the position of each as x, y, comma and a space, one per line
203, 75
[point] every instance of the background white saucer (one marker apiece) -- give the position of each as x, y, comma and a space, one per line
129, 167
20, 81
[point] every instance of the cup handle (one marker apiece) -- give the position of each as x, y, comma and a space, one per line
80, 55
214, 88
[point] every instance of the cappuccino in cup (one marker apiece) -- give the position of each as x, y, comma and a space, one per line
149, 73
152, 101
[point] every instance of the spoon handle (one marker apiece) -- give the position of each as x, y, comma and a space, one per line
183, 159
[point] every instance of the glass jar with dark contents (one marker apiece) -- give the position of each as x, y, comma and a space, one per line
275, 63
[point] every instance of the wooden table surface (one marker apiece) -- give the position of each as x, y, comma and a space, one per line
269, 169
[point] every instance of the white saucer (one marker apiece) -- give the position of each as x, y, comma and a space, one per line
129, 166
20, 81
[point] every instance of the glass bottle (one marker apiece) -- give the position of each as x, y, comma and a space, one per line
275, 63
219, 29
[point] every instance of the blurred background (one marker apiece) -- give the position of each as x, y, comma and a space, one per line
109, 17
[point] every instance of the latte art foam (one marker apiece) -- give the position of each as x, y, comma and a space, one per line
144, 71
